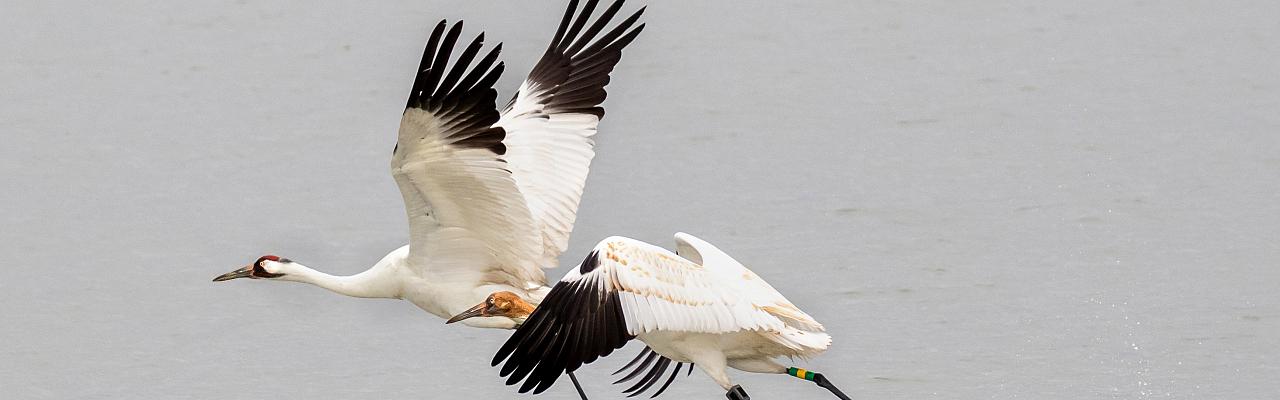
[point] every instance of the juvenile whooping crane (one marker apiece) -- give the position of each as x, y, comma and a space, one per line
491, 197
697, 305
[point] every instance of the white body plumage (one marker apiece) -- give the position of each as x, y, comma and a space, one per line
491, 197
698, 305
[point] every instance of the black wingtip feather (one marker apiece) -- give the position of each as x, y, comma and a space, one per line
450, 80
612, 36
481, 69
440, 62
590, 263
578, 23
638, 369
565, 74
565, 331
635, 360
462, 101
595, 28
653, 365
650, 378
669, 380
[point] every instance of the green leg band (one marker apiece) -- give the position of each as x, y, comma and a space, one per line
800, 373
818, 379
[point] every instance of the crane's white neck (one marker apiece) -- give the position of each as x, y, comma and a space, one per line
377, 282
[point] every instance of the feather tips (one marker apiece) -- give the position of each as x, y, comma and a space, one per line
551, 120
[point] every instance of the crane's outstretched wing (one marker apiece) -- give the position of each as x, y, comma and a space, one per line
551, 121
626, 288
468, 221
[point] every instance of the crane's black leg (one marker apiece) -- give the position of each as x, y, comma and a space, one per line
818, 379
578, 386
736, 393
822, 381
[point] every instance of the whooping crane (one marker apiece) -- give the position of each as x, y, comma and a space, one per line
491, 197
698, 306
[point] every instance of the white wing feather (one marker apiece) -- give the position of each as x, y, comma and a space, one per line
549, 156
462, 205
626, 289
468, 222
660, 290
551, 121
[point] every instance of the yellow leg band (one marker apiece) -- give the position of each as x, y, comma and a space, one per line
800, 373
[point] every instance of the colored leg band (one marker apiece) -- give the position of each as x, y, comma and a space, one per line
800, 373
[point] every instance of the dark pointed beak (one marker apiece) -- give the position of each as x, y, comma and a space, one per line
245, 272
477, 311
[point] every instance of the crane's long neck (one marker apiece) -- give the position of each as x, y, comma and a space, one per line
377, 282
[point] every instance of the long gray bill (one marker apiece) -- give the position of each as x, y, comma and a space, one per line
244, 272
476, 311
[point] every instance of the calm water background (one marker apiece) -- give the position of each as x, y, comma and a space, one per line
1068, 200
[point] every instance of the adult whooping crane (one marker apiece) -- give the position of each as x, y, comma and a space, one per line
491, 197
697, 305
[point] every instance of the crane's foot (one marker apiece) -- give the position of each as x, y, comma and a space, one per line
576, 385
818, 379
736, 393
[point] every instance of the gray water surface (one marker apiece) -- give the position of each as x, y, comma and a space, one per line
980, 199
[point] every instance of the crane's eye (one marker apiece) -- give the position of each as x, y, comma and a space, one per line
260, 272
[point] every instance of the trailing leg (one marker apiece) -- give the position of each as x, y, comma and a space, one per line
714, 364
818, 379
578, 386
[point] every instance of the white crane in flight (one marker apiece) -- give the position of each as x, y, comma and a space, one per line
491, 196
697, 305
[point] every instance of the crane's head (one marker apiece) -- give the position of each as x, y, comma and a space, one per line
499, 304
267, 267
